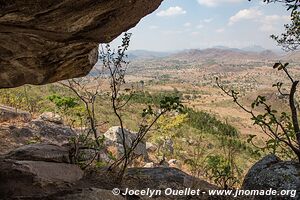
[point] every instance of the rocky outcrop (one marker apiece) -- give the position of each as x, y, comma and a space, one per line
150, 147
9, 113
35, 178
162, 178
47, 41
51, 117
42, 171
37, 170
52, 131
41, 152
271, 172
114, 138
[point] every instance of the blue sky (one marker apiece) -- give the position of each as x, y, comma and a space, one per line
186, 24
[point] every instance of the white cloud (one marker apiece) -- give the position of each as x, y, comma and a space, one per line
187, 24
208, 20
266, 23
171, 12
270, 23
245, 14
220, 30
213, 3
199, 26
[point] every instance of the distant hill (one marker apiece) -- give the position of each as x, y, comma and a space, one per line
144, 54
254, 48
224, 55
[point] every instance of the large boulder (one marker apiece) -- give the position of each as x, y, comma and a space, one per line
41, 152
271, 172
47, 41
35, 178
114, 137
9, 113
51, 117
162, 178
151, 147
52, 131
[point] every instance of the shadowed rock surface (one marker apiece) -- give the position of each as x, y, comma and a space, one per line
47, 41
271, 172
35, 178
41, 152
8, 113
114, 137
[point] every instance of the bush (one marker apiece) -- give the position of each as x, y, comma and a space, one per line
208, 123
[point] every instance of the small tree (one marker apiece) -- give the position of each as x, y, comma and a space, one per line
290, 40
166, 131
283, 129
87, 90
116, 64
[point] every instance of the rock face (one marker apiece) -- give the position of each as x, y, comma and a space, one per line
271, 172
162, 178
114, 138
151, 147
37, 170
41, 152
9, 113
47, 41
58, 132
51, 117
35, 178
41, 171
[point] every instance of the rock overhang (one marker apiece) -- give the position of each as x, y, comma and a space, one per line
47, 41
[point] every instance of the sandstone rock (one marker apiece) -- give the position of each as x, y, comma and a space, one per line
51, 130
162, 178
271, 172
21, 132
151, 147
35, 178
51, 117
41, 152
9, 113
149, 165
89, 154
114, 137
47, 41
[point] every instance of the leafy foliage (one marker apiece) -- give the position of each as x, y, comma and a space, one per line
63, 102
283, 129
290, 40
208, 123
155, 99
223, 171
